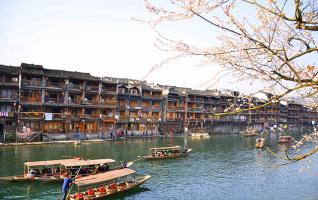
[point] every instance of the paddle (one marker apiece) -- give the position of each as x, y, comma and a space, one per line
69, 191
130, 163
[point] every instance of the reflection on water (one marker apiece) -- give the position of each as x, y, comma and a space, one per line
219, 167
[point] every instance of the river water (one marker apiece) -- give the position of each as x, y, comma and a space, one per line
220, 167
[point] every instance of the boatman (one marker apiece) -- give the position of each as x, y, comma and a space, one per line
66, 185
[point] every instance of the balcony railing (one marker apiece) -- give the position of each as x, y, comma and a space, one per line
108, 103
88, 102
195, 109
31, 99
55, 84
9, 83
90, 116
54, 100
146, 108
9, 128
8, 96
106, 117
176, 108
75, 86
32, 83
174, 119
60, 116
109, 91
92, 88
32, 115
157, 96
74, 101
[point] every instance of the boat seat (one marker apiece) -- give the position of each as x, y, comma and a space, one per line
102, 189
113, 186
78, 196
91, 192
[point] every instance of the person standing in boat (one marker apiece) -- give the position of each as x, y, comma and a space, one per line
66, 185
124, 164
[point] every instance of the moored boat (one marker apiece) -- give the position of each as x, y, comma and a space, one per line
167, 152
103, 185
260, 142
199, 134
53, 170
285, 139
248, 133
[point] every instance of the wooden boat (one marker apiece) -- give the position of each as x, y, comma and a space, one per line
260, 142
53, 170
285, 139
103, 185
167, 152
199, 134
249, 133
77, 142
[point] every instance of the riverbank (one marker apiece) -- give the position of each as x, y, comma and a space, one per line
77, 142
52, 142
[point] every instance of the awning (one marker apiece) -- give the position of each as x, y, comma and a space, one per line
103, 177
71, 163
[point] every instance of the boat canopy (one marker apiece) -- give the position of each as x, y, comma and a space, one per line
71, 163
47, 162
165, 148
103, 177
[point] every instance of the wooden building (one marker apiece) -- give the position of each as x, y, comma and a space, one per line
34, 99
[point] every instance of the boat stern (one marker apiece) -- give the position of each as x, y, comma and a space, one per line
189, 150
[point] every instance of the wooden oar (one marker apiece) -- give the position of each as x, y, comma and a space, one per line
69, 191
132, 162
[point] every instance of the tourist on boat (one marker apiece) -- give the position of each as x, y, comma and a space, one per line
106, 167
57, 170
66, 185
124, 164
32, 173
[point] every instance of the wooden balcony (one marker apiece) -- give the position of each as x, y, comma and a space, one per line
175, 119
176, 108
75, 101
196, 110
106, 118
90, 88
126, 119
55, 85
72, 86
31, 100
89, 102
31, 115
109, 91
146, 108
54, 100
90, 116
9, 83
8, 98
109, 104
31, 83
60, 116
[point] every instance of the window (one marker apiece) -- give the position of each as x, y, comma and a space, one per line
134, 91
122, 90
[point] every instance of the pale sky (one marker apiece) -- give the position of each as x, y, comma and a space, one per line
99, 37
